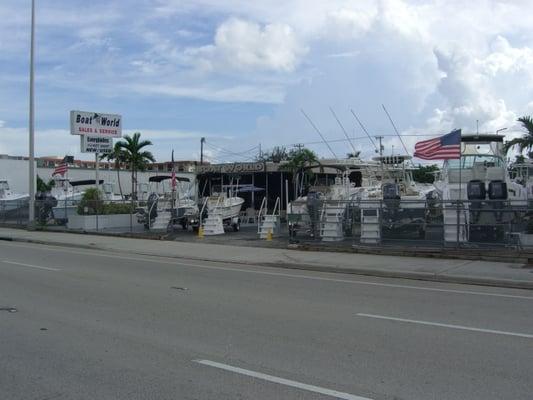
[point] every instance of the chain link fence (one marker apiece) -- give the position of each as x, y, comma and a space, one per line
406, 223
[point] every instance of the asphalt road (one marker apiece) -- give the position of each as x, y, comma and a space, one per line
81, 324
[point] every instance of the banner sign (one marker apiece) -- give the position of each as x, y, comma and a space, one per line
235, 168
95, 124
96, 144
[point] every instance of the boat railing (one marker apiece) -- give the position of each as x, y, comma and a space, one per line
204, 205
154, 204
277, 206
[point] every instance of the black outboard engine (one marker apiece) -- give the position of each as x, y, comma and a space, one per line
313, 208
476, 192
151, 205
44, 204
497, 190
391, 191
498, 194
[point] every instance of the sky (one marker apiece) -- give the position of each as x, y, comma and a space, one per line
242, 73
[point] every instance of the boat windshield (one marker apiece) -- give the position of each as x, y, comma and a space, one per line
468, 161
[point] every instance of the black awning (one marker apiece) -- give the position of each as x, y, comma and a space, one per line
85, 182
161, 178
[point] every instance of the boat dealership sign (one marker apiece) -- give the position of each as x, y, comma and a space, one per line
233, 168
95, 124
96, 144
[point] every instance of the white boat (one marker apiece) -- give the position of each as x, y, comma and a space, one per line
167, 207
224, 206
10, 200
478, 198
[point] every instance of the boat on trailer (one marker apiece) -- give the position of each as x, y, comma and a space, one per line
10, 200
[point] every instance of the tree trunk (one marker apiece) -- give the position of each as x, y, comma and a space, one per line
117, 166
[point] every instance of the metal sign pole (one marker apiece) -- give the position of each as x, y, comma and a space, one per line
97, 172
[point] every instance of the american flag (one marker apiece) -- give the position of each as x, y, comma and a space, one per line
442, 148
173, 172
60, 169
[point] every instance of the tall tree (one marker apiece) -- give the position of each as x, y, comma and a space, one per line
131, 148
119, 157
526, 141
298, 162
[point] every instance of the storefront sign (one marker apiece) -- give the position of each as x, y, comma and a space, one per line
95, 124
235, 168
96, 144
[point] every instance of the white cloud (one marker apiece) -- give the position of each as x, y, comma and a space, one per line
245, 45
236, 93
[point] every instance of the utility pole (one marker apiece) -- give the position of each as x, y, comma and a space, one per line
380, 138
299, 146
202, 140
31, 122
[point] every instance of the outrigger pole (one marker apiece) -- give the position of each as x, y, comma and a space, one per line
364, 130
344, 130
316, 129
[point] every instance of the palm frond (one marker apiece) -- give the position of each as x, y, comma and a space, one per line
527, 122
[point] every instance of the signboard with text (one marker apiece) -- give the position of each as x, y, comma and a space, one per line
95, 124
233, 168
96, 144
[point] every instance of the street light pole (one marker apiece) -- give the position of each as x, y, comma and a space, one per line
202, 140
32, 122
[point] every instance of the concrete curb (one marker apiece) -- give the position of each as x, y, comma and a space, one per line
420, 276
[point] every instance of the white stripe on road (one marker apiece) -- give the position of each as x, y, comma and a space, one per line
316, 278
465, 328
30, 265
282, 381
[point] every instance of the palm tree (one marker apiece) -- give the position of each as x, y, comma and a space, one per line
525, 142
131, 149
117, 155
298, 161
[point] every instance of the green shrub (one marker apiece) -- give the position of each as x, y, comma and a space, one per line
92, 203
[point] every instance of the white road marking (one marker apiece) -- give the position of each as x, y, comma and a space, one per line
465, 328
317, 278
30, 265
282, 381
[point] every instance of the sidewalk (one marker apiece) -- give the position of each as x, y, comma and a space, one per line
443, 270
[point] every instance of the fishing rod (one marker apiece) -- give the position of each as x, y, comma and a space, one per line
322, 136
344, 130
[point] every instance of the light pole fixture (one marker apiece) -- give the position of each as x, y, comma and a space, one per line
31, 122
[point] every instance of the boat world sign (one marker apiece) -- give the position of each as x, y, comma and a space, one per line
95, 124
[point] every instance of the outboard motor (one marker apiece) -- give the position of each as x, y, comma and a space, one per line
391, 191
44, 204
151, 205
498, 193
476, 190
313, 208
476, 193
498, 190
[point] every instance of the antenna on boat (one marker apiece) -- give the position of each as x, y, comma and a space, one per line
316, 129
344, 130
396, 130
364, 130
